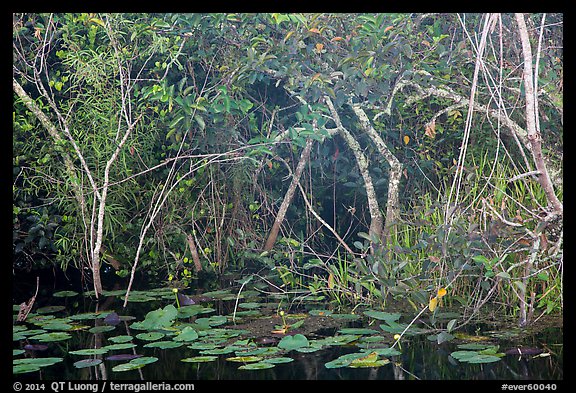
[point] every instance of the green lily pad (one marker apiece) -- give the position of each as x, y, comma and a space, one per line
278, 360
157, 319
25, 368
89, 351
119, 346
220, 351
144, 360
249, 305
244, 359
51, 337
293, 342
163, 344
120, 339
344, 360
16, 352
57, 326
342, 339
200, 359
126, 367
87, 363
201, 345
383, 316
187, 334
474, 357
151, 336
256, 366
101, 329
39, 362
50, 309
65, 294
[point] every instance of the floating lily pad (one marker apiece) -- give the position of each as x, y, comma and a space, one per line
25, 368
89, 351
120, 339
187, 334
126, 367
383, 316
220, 351
193, 310
50, 309
244, 359
473, 357
116, 347
344, 360
256, 366
342, 339
17, 352
157, 319
151, 336
200, 359
382, 351
101, 329
293, 342
278, 360
163, 344
65, 294
51, 337
40, 362
87, 363
250, 305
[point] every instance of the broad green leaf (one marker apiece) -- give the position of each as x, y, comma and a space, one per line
293, 342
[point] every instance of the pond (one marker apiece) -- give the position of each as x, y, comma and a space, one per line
239, 333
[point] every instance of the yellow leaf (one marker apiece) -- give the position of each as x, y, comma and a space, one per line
433, 304
314, 30
319, 47
288, 35
431, 129
315, 76
336, 39
331, 281
442, 292
406, 139
388, 28
279, 331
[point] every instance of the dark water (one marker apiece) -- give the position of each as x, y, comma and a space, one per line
420, 359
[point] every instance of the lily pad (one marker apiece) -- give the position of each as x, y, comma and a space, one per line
163, 344
17, 352
51, 337
65, 294
25, 368
89, 351
87, 363
151, 336
344, 360
40, 362
101, 329
120, 339
116, 347
199, 359
244, 359
187, 334
293, 342
50, 309
383, 316
256, 366
157, 319
278, 360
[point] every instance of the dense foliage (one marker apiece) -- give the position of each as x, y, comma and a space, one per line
166, 143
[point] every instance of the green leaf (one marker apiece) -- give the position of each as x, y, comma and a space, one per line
157, 319
383, 316
293, 342
187, 334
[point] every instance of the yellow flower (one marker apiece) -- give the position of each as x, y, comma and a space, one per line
175, 290
396, 337
441, 292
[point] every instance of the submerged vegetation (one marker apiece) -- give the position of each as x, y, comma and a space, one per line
375, 163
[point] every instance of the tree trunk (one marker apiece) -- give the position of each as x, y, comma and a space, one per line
395, 173
534, 136
304, 157
376, 219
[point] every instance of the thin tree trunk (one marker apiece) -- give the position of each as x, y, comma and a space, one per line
393, 201
194, 252
534, 136
376, 219
304, 157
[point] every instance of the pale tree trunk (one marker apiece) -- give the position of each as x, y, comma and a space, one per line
376, 219
534, 136
395, 173
304, 157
